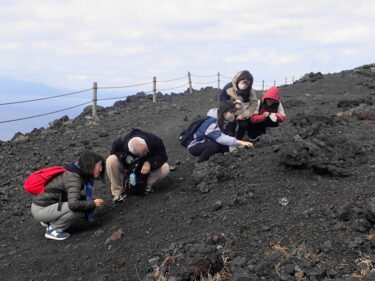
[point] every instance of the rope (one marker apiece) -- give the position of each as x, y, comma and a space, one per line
29, 117
204, 76
114, 98
24, 101
174, 87
128, 86
204, 82
161, 81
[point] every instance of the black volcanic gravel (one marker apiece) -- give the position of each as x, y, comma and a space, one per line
299, 206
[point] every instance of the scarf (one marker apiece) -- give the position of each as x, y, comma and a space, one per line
89, 188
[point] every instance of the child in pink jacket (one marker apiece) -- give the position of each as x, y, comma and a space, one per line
269, 113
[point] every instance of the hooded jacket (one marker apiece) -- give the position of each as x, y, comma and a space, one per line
271, 93
210, 131
66, 187
156, 154
246, 97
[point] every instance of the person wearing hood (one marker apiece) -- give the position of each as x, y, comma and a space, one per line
136, 162
240, 92
269, 113
61, 204
210, 138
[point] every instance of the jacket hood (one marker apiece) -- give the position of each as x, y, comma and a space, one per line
272, 93
212, 113
236, 79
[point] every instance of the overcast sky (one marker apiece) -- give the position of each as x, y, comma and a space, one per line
72, 43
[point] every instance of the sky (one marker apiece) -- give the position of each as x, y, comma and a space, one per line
72, 43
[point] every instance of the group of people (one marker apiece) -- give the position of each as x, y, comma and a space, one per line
138, 159
239, 112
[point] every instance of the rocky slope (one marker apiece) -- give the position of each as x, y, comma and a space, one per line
299, 206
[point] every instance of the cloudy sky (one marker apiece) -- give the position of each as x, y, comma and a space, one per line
73, 43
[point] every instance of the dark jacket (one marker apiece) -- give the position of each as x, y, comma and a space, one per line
66, 187
156, 154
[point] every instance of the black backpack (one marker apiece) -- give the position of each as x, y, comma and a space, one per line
187, 135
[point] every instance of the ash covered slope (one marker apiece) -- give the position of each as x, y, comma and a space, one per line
321, 160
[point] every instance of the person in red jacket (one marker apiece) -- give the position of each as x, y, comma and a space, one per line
269, 113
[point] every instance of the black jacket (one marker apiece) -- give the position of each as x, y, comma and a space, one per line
156, 155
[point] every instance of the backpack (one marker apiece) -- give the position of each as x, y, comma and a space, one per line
187, 135
36, 182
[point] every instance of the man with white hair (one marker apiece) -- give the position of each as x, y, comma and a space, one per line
137, 161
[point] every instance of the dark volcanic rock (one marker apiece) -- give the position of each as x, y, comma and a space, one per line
320, 160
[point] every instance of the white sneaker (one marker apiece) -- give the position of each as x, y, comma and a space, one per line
232, 148
118, 198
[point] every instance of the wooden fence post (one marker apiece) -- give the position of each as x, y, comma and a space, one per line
218, 80
154, 89
190, 86
94, 99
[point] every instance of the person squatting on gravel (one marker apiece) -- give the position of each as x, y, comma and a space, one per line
269, 113
211, 137
136, 162
240, 91
61, 204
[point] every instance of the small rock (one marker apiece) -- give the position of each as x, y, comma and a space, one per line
218, 205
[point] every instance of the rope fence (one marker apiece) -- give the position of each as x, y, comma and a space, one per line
258, 85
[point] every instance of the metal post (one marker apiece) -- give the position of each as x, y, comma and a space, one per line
274, 82
218, 80
286, 80
262, 85
293, 79
190, 87
94, 99
154, 95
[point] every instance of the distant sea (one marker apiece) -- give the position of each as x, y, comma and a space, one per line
22, 110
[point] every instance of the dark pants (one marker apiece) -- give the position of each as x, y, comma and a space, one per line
206, 149
242, 128
256, 129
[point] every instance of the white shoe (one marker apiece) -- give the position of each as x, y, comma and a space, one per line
232, 148
118, 198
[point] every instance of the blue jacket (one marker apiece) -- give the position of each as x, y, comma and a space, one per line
210, 131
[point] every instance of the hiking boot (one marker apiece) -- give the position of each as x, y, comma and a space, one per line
148, 190
55, 235
44, 224
119, 198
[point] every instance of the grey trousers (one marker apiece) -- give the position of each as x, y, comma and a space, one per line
58, 220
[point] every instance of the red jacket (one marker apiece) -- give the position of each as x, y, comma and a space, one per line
272, 93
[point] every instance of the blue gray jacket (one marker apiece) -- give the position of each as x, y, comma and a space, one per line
210, 131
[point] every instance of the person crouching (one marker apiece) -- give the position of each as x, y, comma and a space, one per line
269, 113
136, 162
61, 204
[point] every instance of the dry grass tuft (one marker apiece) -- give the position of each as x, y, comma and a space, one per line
223, 274
365, 265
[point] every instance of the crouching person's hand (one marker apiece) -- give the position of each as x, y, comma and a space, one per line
99, 202
245, 143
